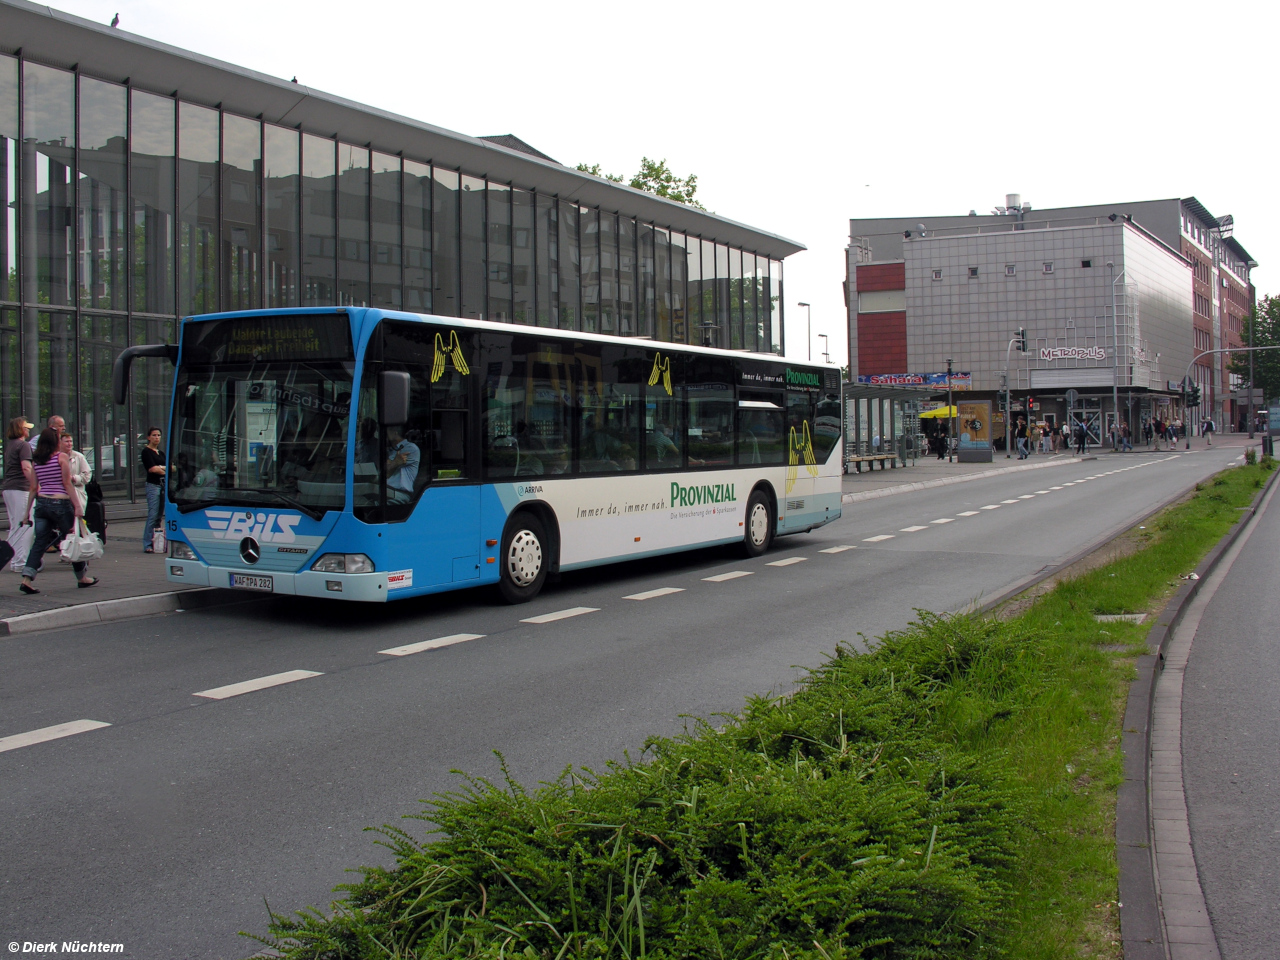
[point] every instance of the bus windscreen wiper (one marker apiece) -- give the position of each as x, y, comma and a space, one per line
284, 498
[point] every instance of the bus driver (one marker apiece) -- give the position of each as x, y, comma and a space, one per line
403, 458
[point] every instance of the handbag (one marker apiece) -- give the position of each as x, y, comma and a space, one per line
81, 545
20, 540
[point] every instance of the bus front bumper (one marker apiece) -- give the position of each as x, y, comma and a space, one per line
306, 583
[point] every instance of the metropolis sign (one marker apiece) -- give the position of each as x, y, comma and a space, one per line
1072, 353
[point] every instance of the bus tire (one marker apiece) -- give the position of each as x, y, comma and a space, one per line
525, 559
759, 526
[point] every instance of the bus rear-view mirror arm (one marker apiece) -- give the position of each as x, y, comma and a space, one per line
393, 398
120, 373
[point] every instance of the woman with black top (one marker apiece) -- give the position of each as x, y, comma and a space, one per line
56, 508
153, 466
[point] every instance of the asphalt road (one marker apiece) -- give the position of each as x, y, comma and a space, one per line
1231, 749
166, 830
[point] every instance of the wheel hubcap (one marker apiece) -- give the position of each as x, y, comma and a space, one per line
524, 559
759, 524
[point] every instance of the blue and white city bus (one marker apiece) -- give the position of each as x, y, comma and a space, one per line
369, 454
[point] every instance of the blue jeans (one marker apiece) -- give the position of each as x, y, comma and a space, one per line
53, 519
1022, 448
155, 511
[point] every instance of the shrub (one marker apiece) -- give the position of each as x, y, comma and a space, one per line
1250, 455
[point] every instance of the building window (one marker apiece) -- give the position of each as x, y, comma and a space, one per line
1048, 267
973, 271
1010, 270
937, 274
1086, 264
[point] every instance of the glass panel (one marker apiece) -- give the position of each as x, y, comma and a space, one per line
522, 306
417, 236
198, 153
749, 301
626, 276
735, 299
608, 273
499, 253
9, 180
609, 400
103, 436
762, 304
473, 248
589, 227
762, 435
9, 98
527, 409
152, 172
10, 368
241, 210
49, 153
645, 290
711, 410
693, 293
710, 312
102, 238
353, 225
662, 284
569, 279
723, 309
679, 267
776, 312
150, 380
548, 278
384, 227
56, 368
319, 221
444, 244
283, 165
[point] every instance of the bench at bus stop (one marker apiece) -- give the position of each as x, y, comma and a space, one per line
871, 459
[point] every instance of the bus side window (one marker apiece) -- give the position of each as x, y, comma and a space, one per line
663, 430
762, 437
450, 413
710, 429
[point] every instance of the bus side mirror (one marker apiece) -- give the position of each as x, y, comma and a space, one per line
393, 398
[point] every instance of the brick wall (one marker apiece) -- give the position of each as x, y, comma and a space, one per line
882, 340
882, 276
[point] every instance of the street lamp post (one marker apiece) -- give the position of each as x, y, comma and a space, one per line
809, 328
826, 343
951, 431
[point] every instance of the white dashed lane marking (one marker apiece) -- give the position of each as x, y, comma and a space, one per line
840, 549
943, 520
968, 513
1055, 488
44, 734
883, 536
1042, 491
912, 529
436, 644
786, 561
560, 615
1005, 501
261, 683
990, 506
1027, 496
731, 575
650, 594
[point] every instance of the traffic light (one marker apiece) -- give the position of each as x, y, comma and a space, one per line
1022, 339
1193, 398
1031, 402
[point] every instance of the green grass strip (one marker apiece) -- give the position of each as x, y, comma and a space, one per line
950, 794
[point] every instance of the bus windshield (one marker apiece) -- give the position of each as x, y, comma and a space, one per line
270, 432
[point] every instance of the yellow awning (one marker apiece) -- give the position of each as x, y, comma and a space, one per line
940, 412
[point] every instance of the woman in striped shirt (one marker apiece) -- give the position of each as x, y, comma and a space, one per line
57, 509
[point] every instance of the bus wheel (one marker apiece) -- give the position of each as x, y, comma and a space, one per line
524, 559
759, 525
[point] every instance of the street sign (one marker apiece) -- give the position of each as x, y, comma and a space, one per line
1072, 397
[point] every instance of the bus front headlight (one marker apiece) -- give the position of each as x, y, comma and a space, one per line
343, 563
181, 551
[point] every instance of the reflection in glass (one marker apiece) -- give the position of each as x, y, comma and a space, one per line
384, 232
103, 431
776, 309
102, 195
723, 309
499, 253
662, 283
150, 380
749, 301
56, 366
589, 243
762, 304
8, 180
353, 225
198, 153
626, 276
49, 153
10, 367
319, 221
522, 309
679, 266
608, 273
417, 236
645, 284
152, 172
548, 281
473, 248
693, 292
444, 245
282, 165
735, 299
241, 209
710, 308
569, 302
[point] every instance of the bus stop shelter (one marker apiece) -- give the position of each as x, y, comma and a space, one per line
882, 425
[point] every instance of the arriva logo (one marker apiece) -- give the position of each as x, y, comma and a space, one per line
803, 378
263, 527
707, 493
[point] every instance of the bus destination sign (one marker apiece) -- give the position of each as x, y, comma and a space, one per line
279, 339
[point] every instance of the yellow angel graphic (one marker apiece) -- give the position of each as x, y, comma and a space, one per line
453, 352
798, 447
661, 368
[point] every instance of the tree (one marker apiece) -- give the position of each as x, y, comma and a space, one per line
1265, 324
657, 178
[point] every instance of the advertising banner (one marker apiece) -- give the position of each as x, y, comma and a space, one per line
959, 381
974, 428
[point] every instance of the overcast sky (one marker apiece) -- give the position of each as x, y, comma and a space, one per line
797, 117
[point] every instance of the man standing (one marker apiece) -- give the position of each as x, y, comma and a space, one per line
1081, 438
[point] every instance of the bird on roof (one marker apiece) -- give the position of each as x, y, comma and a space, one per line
295, 80
115, 21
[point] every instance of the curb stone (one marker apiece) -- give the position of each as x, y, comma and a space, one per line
125, 608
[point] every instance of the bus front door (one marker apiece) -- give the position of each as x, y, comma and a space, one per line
444, 535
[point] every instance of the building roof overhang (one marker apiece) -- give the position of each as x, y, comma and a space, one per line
60, 39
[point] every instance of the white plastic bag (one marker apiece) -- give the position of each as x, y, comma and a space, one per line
81, 545
20, 540
159, 542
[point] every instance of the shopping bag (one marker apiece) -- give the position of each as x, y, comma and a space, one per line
81, 545
159, 542
20, 540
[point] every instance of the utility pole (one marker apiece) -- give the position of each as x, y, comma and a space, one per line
809, 328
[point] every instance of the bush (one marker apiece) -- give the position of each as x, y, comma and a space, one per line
1250, 456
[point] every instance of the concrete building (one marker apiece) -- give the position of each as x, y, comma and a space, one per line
1116, 300
140, 183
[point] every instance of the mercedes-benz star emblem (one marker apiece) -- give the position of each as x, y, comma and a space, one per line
250, 552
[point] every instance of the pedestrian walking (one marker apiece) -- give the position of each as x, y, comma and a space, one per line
1020, 436
81, 475
1207, 428
56, 508
153, 466
1147, 431
18, 479
1124, 438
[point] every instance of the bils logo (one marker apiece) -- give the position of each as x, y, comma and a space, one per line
263, 527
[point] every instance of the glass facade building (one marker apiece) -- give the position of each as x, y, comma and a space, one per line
126, 207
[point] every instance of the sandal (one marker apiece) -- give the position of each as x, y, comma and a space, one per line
86, 583
27, 588
147, 550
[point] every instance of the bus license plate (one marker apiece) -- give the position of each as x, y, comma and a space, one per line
247, 582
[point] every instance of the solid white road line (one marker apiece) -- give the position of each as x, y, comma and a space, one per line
731, 575
57, 731
435, 644
883, 536
560, 615
650, 594
912, 529
968, 513
840, 549
786, 561
943, 520
249, 686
